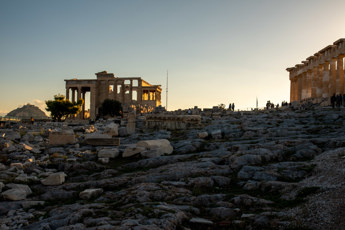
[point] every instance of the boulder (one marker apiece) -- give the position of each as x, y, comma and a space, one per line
112, 130
2, 185
132, 150
201, 182
203, 135
17, 192
108, 153
90, 193
14, 194
16, 165
22, 178
2, 167
10, 135
54, 179
202, 221
61, 137
217, 134
163, 145
24, 187
151, 153
103, 160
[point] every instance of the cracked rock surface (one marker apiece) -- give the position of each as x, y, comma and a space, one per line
276, 169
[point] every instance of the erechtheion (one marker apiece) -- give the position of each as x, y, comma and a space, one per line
320, 76
132, 92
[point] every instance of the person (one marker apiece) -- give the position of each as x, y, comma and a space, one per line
189, 112
333, 100
233, 107
338, 100
32, 120
268, 104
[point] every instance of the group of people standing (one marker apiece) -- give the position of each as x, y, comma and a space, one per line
338, 100
232, 107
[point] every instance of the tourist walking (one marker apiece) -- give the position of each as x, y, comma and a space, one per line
333, 100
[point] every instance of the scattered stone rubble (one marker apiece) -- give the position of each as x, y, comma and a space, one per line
274, 169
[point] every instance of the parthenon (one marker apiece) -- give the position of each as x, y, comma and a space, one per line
320, 76
132, 92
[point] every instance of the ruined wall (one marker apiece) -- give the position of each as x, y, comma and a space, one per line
320, 75
133, 92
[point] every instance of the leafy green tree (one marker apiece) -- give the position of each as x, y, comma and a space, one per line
60, 108
110, 107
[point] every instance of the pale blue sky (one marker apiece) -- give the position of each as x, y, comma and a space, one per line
216, 51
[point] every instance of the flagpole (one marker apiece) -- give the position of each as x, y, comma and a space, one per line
166, 94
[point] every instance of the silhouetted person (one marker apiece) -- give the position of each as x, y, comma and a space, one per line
233, 107
338, 100
333, 100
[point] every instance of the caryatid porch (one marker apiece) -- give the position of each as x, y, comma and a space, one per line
319, 76
132, 92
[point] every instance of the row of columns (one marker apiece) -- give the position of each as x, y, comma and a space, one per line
323, 80
321, 75
81, 91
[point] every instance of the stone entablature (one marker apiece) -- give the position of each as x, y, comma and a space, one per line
132, 92
319, 76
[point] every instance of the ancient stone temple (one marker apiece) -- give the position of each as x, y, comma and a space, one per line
133, 92
320, 76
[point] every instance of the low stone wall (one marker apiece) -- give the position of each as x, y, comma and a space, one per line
172, 122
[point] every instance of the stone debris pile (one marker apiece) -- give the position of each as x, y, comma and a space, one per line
238, 170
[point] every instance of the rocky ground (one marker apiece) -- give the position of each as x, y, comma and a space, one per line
247, 170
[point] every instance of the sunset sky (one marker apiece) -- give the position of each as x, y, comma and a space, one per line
217, 51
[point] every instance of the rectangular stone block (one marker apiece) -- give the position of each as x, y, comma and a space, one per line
103, 141
61, 137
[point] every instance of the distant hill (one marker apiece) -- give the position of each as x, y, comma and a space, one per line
27, 111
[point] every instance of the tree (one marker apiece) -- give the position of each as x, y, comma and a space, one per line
60, 108
221, 106
110, 107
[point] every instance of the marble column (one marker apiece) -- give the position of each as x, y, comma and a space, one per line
315, 83
333, 78
295, 89
93, 102
83, 106
340, 74
309, 83
299, 87
73, 95
325, 80
292, 90
319, 70
304, 86
67, 93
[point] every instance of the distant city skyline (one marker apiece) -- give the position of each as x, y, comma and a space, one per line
216, 52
